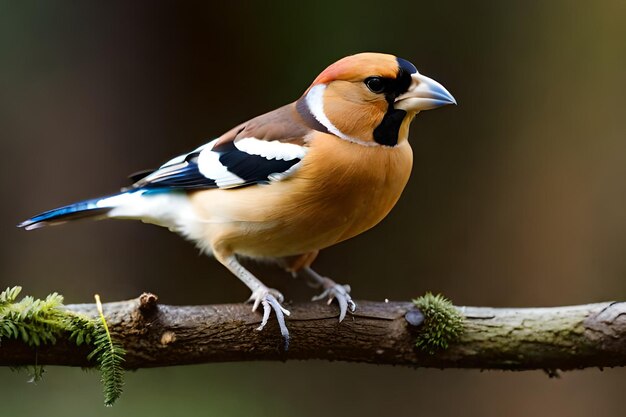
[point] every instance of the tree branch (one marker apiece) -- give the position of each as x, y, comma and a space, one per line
592, 335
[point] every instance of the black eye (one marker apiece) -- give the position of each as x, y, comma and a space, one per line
375, 84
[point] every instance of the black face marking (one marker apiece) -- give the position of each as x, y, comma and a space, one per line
391, 87
399, 86
386, 133
403, 80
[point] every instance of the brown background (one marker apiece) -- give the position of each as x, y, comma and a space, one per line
517, 197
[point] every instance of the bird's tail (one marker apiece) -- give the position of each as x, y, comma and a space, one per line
96, 208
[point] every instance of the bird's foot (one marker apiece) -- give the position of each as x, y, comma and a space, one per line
341, 293
270, 299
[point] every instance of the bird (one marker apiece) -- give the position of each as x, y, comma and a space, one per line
286, 184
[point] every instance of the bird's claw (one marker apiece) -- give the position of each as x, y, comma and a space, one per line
270, 299
259, 294
341, 293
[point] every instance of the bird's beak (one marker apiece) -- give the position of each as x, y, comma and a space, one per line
423, 94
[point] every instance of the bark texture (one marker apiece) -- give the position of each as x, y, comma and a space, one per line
592, 335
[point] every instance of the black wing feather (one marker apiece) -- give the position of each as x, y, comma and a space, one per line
252, 169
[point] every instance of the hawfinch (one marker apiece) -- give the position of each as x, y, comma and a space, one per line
290, 182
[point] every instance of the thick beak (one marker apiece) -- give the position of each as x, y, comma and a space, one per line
424, 94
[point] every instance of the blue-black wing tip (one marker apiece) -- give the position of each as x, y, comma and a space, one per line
61, 215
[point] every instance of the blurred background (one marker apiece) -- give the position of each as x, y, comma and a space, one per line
516, 199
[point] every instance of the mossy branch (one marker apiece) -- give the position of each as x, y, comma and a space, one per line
154, 335
40, 323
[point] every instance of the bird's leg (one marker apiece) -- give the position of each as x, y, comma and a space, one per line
269, 298
331, 290
300, 265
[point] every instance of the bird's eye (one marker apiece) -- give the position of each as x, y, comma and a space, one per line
375, 84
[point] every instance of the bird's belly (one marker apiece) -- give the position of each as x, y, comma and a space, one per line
311, 227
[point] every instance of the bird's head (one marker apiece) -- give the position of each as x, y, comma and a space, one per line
370, 98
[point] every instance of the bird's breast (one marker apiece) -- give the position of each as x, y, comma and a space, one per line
355, 186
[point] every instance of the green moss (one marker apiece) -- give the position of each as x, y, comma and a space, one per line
39, 322
443, 324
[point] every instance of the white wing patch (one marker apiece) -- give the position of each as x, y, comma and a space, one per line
271, 149
210, 166
242, 162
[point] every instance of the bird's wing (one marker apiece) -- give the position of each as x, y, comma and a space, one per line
264, 149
